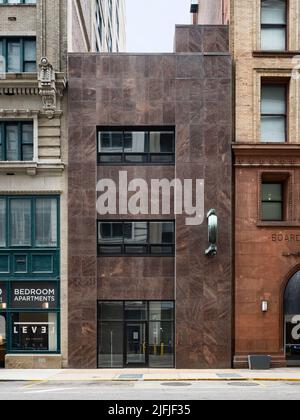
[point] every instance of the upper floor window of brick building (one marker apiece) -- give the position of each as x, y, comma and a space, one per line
273, 25
136, 147
18, 55
274, 113
272, 202
16, 141
136, 238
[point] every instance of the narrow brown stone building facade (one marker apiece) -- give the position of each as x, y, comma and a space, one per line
141, 290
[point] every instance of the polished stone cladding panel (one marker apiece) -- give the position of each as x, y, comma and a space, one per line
188, 91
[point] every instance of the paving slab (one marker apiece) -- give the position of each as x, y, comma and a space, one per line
149, 375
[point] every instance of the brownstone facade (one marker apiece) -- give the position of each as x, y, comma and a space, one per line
266, 253
191, 91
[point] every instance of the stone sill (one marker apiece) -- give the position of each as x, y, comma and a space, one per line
278, 224
18, 5
29, 168
275, 54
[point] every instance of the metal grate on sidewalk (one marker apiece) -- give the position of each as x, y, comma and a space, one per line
131, 377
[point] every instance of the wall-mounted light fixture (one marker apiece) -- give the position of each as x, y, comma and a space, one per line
3, 306
264, 306
212, 220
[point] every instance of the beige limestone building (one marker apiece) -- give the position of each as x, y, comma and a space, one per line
35, 36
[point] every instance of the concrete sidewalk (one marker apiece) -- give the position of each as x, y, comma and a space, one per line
149, 375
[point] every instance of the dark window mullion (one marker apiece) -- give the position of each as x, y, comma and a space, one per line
148, 147
4, 146
22, 65
5, 53
123, 231
20, 142
8, 209
7, 222
33, 218
123, 147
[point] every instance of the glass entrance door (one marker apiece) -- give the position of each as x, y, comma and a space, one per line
2, 340
136, 344
292, 339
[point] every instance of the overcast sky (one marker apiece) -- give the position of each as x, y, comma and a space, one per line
151, 23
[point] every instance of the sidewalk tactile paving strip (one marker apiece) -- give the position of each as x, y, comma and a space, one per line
229, 376
131, 377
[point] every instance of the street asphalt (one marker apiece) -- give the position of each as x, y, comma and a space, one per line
140, 390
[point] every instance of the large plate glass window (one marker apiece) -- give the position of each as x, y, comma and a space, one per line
3, 339
34, 332
136, 333
161, 335
110, 334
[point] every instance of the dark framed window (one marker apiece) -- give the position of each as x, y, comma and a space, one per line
18, 55
145, 328
16, 141
136, 238
272, 201
29, 222
136, 147
274, 25
274, 113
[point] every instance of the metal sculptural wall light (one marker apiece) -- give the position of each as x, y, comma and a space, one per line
212, 220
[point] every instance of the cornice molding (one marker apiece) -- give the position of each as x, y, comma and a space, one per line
268, 155
26, 113
27, 84
30, 168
